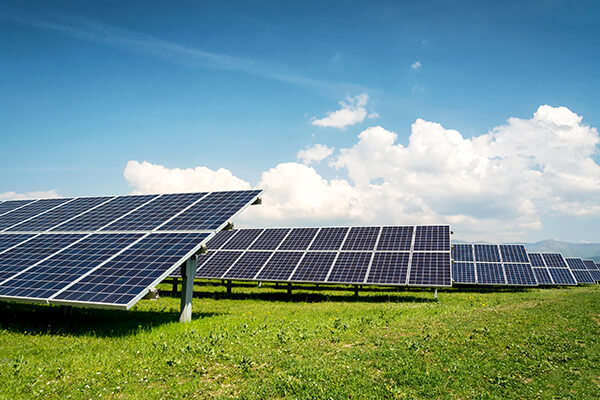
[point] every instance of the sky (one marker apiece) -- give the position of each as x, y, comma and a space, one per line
483, 115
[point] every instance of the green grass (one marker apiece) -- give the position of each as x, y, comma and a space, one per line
320, 344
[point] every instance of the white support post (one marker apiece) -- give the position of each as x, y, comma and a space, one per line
188, 272
435, 294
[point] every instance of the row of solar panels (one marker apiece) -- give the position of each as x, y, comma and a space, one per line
170, 212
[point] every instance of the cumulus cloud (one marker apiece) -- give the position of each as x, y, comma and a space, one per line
314, 154
416, 65
29, 195
496, 186
353, 111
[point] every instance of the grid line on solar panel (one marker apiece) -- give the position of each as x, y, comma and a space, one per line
575, 263
155, 213
270, 239
33, 251
536, 260
8, 241
280, 266
513, 253
329, 238
60, 214
462, 252
388, 268
104, 214
124, 279
562, 276
519, 274
430, 269
463, 272
490, 274
542, 276
220, 238
30, 210
212, 211
248, 265
218, 264
299, 239
53, 274
243, 239
361, 238
350, 267
432, 238
486, 253
10, 205
314, 267
395, 238
554, 260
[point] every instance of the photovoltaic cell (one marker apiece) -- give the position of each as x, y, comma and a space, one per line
102, 215
462, 252
60, 214
127, 277
432, 238
350, 267
25, 255
10, 205
30, 210
299, 239
389, 268
361, 238
554, 260
519, 274
151, 215
536, 260
248, 265
270, 239
56, 272
280, 266
212, 211
216, 263
463, 272
562, 276
490, 274
395, 238
430, 269
8, 241
242, 239
314, 267
542, 276
514, 253
486, 253
329, 239
219, 239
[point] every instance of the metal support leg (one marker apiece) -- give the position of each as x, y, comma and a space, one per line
188, 272
355, 290
435, 294
174, 289
67, 311
229, 287
289, 289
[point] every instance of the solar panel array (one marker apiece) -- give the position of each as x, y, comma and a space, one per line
551, 269
375, 255
104, 251
580, 270
492, 264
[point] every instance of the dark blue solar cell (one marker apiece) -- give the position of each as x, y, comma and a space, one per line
299, 239
242, 239
329, 239
513, 253
463, 272
314, 267
462, 252
126, 278
350, 267
55, 273
10, 205
104, 214
248, 265
270, 239
575, 263
280, 266
536, 260
395, 238
490, 274
215, 263
220, 238
389, 268
30, 210
554, 260
212, 211
542, 276
361, 238
583, 276
9, 240
486, 253
562, 276
519, 274
432, 238
430, 269
60, 214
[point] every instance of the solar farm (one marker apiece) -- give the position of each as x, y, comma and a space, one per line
356, 307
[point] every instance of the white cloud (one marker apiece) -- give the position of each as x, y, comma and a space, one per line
353, 111
316, 153
29, 195
496, 186
416, 65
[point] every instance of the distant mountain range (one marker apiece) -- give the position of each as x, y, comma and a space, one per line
587, 251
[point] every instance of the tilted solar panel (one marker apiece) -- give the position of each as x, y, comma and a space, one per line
242, 239
9, 205
395, 238
299, 239
490, 274
575, 263
29, 211
270, 239
462, 252
519, 274
350, 267
486, 253
514, 253
432, 238
329, 239
536, 260
389, 268
248, 265
583, 276
464, 272
430, 269
554, 260
361, 238
562, 276
219, 239
214, 264
314, 267
280, 266
542, 276
8, 241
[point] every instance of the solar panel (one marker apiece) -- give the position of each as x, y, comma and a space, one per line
562, 276
592, 269
248, 265
519, 274
9, 205
389, 268
270, 239
29, 211
430, 269
220, 239
583, 276
395, 238
542, 276
242, 240
215, 263
299, 239
462, 252
490, 274
537, 260
464, 272
8, 241
361, 238
329, 239
554, 260
432, 238
576, 263
486, 253
314, 267
280, 266
514, 253
350, 267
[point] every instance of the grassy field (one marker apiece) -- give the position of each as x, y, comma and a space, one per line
319, 344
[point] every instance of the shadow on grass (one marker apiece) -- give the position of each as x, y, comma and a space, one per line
52, 320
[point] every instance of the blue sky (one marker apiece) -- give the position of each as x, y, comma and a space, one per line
87, 87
